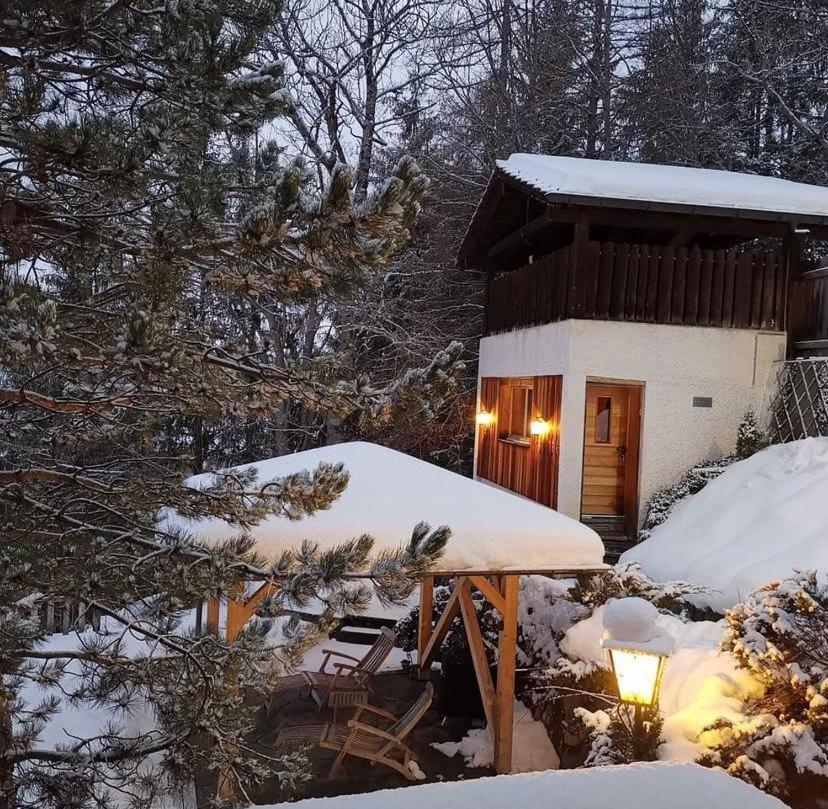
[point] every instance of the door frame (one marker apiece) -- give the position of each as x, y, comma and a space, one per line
635, 420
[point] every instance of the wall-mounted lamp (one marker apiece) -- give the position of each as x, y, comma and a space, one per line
540, 427
485, 418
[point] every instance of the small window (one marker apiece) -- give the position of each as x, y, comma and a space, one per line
603, 420
516, 405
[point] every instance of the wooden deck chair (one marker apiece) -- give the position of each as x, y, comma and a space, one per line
347, 685
386, 747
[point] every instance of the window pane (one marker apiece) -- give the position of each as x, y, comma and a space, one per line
603, 420
518, 420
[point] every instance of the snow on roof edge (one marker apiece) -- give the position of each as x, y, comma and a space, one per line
581, 183
390, 492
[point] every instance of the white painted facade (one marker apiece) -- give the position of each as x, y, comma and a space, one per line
674, 363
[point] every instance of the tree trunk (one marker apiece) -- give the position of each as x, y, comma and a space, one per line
8, 792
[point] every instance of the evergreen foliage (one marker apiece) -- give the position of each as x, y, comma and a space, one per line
779, 634
145, 220
749, 436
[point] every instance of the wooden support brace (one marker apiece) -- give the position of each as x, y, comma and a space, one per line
240, 611
489, 590
449, 614
478, 653
505, 698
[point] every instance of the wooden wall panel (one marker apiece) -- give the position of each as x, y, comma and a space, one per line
527, 469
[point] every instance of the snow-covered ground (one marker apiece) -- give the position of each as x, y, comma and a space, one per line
634, 786
390, 492
763, 518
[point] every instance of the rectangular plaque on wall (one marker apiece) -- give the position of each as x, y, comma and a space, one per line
702, 401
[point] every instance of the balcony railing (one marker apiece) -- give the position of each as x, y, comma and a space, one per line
643, 283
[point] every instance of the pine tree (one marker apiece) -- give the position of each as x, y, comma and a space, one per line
749, 436
127, 227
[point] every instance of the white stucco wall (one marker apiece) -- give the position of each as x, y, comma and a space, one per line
675, 363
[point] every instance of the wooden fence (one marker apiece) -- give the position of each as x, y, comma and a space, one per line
643, 283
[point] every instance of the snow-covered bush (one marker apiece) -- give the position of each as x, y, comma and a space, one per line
614, 738
780, 635
750, 438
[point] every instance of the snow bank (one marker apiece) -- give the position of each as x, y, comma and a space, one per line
677, 185
760, 520
700, 683
531, 749
389, 493
634, 786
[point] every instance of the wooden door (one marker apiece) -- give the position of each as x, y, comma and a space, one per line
610, 450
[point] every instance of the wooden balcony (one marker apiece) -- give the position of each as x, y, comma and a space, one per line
644, 284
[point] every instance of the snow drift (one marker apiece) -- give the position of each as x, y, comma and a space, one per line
632, 786
763, 518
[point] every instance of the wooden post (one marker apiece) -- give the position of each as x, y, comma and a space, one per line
213, 615
505, 698
424, 626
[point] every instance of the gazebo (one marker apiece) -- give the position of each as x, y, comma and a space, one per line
497, 536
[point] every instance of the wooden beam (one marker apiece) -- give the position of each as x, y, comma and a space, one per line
505, 697
479, 659
521, 237
489, 590
424, 625
449, 614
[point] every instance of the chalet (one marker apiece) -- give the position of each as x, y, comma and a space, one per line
633, 313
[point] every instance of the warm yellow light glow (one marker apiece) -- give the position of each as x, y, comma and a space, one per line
637, 674
539, 427
484, 418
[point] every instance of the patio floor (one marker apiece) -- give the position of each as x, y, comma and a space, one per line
394, 691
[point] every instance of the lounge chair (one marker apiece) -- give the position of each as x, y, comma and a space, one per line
347, 685
386, 747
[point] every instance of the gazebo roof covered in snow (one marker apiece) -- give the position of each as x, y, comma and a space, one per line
390, 492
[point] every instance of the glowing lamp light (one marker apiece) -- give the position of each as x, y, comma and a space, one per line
485, 418
637, 649
540, 427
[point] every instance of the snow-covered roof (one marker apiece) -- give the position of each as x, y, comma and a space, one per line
579, 180
389, 493
761, 520
630, 786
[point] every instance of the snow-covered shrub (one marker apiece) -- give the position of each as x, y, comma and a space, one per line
614, 738
750, 438
626, 579
780, 635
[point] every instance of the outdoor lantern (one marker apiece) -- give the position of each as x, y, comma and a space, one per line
485, 418
539, 427
637, 649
